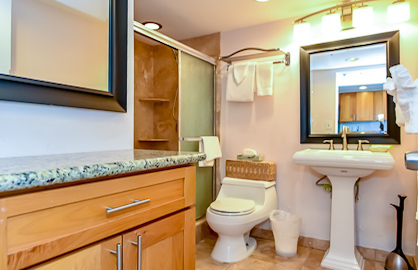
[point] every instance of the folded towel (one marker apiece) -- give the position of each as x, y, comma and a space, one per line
240, 82
211, 147
405, 95
264, 78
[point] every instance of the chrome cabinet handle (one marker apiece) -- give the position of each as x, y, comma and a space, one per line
138, 243
110, 210
118, 256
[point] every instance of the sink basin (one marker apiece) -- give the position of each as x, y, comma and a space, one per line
344, 163
343, 169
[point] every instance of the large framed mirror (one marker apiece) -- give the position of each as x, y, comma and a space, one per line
64, 52
341, 84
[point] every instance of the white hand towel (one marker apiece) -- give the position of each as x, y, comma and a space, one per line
211, 147
264, 78
240, 82
390, 87
406, 96
240, 71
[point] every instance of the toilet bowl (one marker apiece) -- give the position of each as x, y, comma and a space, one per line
240, 205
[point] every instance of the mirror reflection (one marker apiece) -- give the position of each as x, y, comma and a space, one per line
346, 89
48, 39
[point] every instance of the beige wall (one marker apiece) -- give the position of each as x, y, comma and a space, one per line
323, 102
271, 125
52, 42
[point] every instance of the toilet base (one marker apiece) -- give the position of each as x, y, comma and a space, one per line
230, 249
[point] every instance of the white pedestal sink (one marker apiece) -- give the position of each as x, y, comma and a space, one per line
343, 169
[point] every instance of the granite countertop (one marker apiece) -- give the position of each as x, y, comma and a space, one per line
22, 173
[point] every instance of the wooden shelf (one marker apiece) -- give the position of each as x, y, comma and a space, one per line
154, 99
153, 140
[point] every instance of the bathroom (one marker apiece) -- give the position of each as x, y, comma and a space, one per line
271, 125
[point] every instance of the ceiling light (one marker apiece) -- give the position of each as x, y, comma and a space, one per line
363, 87
362, 16
301, 30
399, 11
261, 0
152, 25
351, 59
331, 23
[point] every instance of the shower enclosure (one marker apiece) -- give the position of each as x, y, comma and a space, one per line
174, 97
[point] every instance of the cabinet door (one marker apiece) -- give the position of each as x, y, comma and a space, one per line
365, 106
165, 244
380, 101
348, 107
101, 256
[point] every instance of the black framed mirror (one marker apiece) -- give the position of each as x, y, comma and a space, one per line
112, 97
338, 88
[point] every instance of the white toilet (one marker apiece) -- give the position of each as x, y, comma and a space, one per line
240, 205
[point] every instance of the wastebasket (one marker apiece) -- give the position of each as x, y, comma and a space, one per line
285, 228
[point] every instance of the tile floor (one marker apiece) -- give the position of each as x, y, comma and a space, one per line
265, 258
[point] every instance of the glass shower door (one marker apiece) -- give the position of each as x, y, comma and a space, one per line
197, 111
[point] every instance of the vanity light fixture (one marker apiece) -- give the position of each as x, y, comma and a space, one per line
152, 25
353, 13
399, 11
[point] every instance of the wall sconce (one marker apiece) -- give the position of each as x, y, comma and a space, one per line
399, 11
354, 14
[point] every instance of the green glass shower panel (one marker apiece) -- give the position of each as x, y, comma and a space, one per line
197, 119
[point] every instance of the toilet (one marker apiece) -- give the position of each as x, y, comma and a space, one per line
240, 205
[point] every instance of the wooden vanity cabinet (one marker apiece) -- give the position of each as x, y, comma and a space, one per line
74, 227
101, 256
362, 106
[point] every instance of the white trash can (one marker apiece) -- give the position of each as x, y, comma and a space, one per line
285, 228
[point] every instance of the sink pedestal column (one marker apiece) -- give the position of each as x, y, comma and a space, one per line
342, 253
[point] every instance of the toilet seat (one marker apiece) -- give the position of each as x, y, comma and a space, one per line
232, 207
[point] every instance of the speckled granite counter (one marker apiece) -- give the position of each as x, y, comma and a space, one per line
29, 172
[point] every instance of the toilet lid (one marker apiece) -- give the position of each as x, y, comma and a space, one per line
233, 206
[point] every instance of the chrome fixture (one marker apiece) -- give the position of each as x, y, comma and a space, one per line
265, 53
344, 136
360, 146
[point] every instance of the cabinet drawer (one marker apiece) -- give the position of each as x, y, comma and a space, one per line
59, 223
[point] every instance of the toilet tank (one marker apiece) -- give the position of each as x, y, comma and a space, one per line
246, 189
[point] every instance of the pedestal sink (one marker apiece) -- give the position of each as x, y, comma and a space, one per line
343, 169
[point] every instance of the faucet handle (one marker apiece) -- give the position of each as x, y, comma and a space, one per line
331, 144
360, 146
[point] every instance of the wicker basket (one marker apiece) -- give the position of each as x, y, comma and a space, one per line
264, 170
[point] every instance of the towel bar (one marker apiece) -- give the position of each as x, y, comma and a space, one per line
266, 53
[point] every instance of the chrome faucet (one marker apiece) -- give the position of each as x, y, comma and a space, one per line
344, 137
